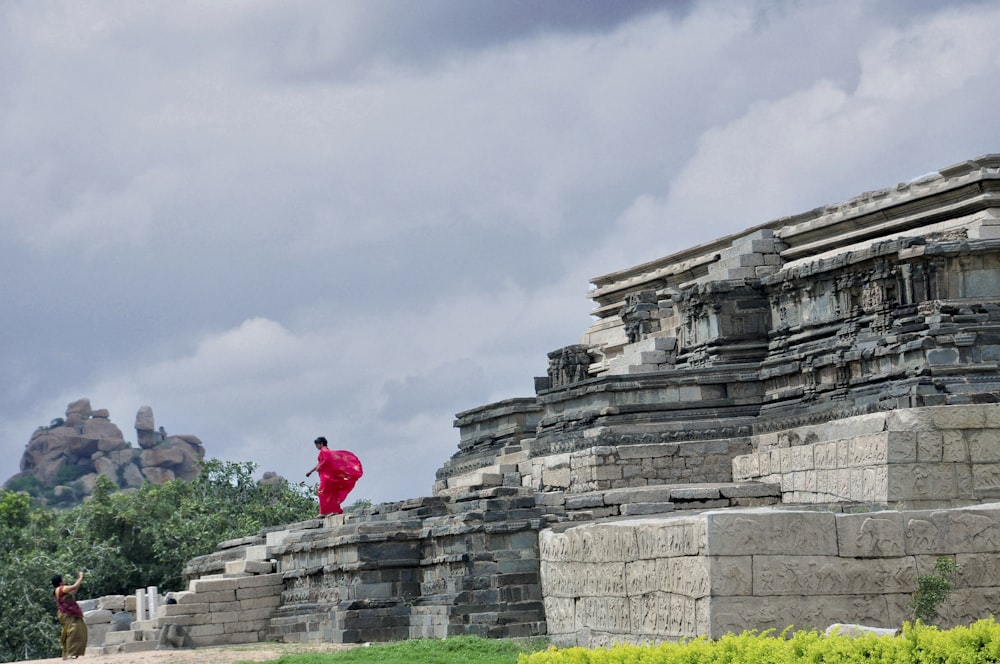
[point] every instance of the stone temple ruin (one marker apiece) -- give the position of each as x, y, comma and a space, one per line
785, 426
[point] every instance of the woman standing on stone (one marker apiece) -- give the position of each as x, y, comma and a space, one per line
339, 471
74, 630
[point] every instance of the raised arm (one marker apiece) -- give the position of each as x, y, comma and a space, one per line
76, 586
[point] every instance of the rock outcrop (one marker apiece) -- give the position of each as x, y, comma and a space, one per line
62, 461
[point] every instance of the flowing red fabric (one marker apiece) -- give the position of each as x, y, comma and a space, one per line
339, 471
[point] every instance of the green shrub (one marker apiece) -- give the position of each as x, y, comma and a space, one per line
933, 589
69, 472
28, 484
978, 643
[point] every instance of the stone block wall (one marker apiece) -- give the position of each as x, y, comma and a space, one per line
486, 432
676, 577
662, 407
936, 456
604, 467
224, 610
231, 606
647, 355
111, 613
427, 568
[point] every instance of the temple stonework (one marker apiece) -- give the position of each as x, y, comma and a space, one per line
785, 426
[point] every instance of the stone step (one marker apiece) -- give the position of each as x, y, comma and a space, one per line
137, 646
498, 473
637, 509
118, 638
99, 651
480, 478
684, 492
659, 499
248, 567
519, 456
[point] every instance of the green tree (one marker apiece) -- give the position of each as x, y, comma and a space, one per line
125, 540
159, 527
28, 559
224, 502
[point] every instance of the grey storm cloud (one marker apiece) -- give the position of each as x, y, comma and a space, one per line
272, 221
438, 391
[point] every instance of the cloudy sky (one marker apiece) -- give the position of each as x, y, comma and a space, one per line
275, 220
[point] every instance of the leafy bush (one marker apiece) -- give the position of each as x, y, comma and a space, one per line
25, 483
933, 589
975, 644
66, 479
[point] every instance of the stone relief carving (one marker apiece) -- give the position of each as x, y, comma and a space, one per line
609, 614
879, 537
568, 365
981, 532
643, 609
642, 577
922, 536
560, 614
638, 315
667, 539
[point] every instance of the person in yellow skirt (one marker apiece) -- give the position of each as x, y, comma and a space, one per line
74, 630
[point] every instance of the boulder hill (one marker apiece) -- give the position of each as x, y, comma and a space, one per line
62, 461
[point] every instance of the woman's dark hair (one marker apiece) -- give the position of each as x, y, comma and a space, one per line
57, 580
320, 441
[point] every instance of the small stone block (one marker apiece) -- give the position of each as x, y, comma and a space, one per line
112, 602
97, 616
208, 585
491, 479
274, 579
646, 508
258, 552
695, 493
138, 646
118, 638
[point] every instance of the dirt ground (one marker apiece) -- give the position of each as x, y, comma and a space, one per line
253, 652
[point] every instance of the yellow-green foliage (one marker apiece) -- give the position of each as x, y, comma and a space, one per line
978, 643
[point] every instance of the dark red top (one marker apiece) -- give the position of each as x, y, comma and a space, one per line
66, 603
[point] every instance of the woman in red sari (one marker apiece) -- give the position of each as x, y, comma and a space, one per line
74, 630
339, 471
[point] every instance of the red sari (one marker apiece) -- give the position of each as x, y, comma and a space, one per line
339, 471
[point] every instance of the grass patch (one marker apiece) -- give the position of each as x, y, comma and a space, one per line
453, 650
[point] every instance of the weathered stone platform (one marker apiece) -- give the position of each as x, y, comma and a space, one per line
722, 571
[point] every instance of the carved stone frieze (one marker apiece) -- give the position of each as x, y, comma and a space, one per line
568, 365
639, 315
